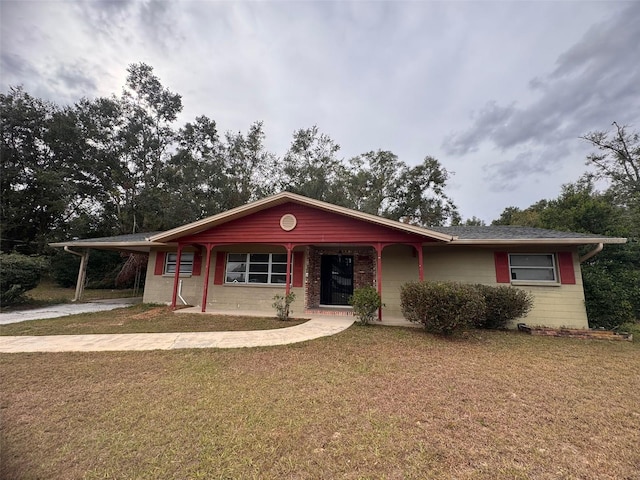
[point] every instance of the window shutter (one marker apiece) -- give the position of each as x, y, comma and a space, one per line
159, 268
565, 265
197, 263
298, 268
218, 278
502, 267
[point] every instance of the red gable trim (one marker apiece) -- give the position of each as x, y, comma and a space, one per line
313, 226
565, 265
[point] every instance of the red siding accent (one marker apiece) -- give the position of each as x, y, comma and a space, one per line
298, 268
565, 265
218, 277
313, 226
197, 264
159, 268
502, 267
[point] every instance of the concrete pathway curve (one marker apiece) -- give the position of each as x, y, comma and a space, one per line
315, 328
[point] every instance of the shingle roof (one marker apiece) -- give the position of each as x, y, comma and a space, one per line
131, 237
501, 232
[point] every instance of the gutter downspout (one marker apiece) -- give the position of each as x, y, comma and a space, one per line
82, 272
184, 302
592, 253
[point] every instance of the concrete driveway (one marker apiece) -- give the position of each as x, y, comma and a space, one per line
65, 309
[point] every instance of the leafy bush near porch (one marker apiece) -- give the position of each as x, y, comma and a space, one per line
442, 307
365, 302
282, 304
502, 305
18, 274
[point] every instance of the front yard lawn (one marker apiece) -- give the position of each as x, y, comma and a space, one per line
377, 402
142, 318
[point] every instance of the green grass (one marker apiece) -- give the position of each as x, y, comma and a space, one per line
367, 403
143, 318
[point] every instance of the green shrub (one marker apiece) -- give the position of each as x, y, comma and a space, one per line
630, 327
503, 304
18, 274
366, 303
442, 307
282, 304
611, 298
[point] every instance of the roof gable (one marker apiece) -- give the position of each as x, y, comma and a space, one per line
337, 213
311, 226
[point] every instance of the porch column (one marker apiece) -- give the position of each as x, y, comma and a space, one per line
82, 272
418, 247
379, 247
205, 289
288, 277
176, 278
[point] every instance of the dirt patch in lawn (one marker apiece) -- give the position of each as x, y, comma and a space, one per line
366, 403
142, 318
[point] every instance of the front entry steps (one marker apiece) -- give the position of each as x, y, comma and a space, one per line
330, 311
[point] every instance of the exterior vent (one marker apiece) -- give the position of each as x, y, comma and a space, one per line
288, 222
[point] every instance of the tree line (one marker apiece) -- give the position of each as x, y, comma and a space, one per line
121, 164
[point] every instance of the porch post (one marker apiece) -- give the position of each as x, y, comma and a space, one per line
379, 275
205, 289
176, 278
418, 247
82, 274
288, 277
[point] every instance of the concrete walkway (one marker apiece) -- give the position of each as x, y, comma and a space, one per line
62, 310
315, 328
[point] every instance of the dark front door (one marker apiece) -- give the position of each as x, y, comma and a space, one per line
336, 279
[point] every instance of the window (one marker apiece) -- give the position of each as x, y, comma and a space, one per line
269, 268
186, 263
539, 267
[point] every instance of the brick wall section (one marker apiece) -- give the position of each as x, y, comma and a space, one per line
364, 269
584, 334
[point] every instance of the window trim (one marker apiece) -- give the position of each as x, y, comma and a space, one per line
553, 268
248, 271
184, 262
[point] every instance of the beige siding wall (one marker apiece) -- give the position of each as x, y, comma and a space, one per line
554, 306
158, 288
399, 265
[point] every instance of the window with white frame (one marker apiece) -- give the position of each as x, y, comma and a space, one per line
186, 263
266, 268
538, 267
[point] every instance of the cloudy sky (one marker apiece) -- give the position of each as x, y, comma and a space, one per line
499, 92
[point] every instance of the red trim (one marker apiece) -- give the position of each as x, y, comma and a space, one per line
176, 276
218, 278
288, 276
565, 265
197, 263
159, 268
502, 267
298, 269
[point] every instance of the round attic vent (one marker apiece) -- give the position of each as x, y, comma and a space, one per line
288, 222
